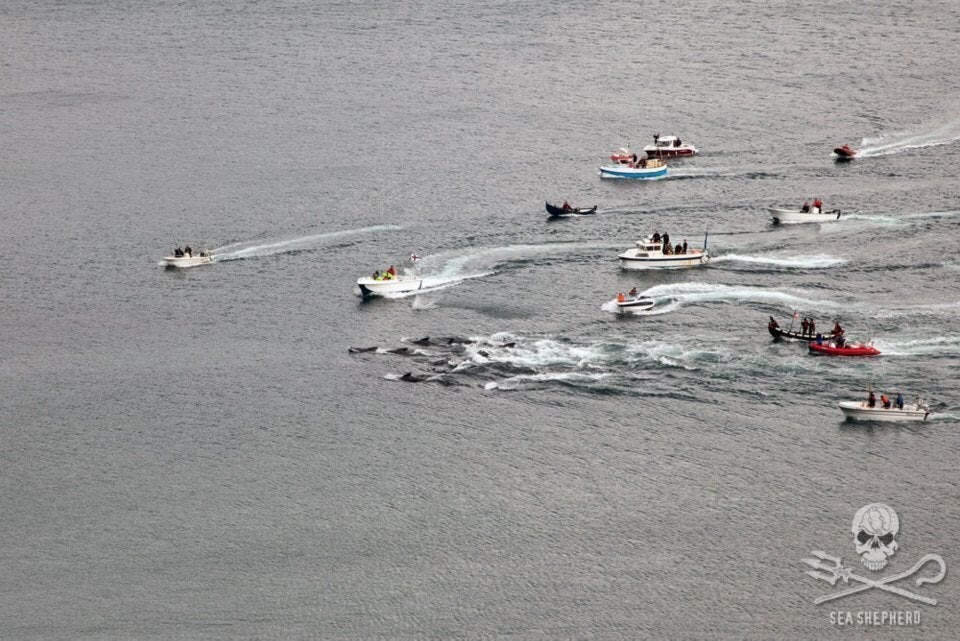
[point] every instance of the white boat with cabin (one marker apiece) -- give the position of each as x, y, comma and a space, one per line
649, 254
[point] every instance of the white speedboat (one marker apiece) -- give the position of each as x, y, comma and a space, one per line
669, 147
861, 411
644, 168
795, 216
397, 285
638, 303
182, 262
649, 254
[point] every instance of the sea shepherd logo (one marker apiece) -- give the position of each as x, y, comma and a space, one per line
875, 529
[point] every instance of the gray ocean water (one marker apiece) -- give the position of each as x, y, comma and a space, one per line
196, 455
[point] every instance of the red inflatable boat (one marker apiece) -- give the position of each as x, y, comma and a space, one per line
845, 152
855, 349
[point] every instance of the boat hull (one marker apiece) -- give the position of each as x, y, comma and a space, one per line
782, 334
555, 211
622, 171
636, 305
845, 153
862, 350
370, 287
795, 216
184, 262
631, 260
861, 412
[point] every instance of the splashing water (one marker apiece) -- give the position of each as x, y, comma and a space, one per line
684, 293
897, 142
821, 261
227, 252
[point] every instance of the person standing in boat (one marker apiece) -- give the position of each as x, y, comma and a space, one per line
178, 253
805, 325
656, 237
837, 330
806, 208
188, 252
818, 205
813, 327
872, 399
684, 245
666, 240
633, 292
566, 206
773, 324
899, 400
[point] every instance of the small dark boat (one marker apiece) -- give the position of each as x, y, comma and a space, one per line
781, 334
846, 152
555, 211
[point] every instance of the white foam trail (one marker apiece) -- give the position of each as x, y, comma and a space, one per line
684, 293
514, 382
897, 142
820, 261
294, 244
449, 268
924, 346
944, 417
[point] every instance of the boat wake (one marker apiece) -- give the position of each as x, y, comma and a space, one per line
676, 295
942, 345
821, 261
446, 269
897, 142
718, 172
238, 251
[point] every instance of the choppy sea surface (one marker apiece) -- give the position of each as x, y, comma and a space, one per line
198, 454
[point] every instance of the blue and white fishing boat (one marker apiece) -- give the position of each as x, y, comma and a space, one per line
649, 254
644, 168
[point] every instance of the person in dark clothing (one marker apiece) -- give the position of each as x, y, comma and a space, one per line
684, 245
678, 249
666, 239
837, 330
805, 325
656, 237
188, 252
899, 400
178, 253
872, 399
813, 327
773, 324
819, 339
840, 341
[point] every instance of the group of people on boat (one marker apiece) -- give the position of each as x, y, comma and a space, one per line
186, 252
885, 402
669, 249
816, 209
621, 298
809, 328
389, 274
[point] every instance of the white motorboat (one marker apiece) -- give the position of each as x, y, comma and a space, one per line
669, 147
397, 285
795, 216
639, 303
861, 411
649, 254
182, 262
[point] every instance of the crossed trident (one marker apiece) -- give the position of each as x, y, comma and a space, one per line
838, 572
